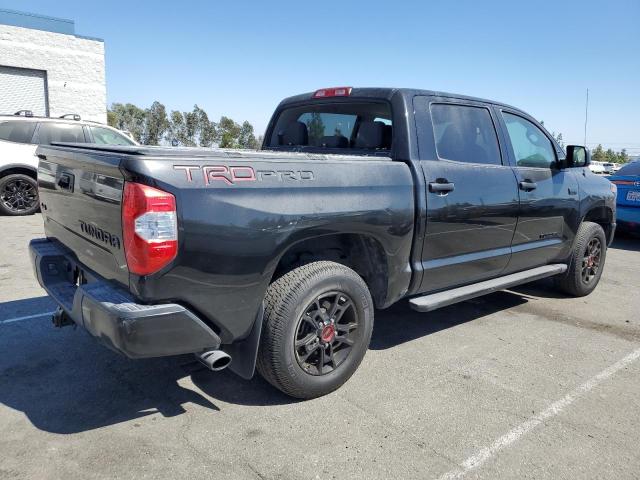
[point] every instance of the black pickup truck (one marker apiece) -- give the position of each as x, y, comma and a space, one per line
276, 259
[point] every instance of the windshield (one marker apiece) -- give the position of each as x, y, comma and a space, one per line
357, 127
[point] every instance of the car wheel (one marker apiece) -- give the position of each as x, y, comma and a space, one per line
316, 330
18, 195
586, 262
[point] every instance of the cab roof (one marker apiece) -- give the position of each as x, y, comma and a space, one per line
386, 93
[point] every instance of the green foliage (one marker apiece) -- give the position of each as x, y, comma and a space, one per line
130, 118
154, 127
156, 124
229, 132
246, 138
600, 155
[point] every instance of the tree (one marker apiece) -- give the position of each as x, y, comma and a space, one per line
623, 157
598, 154
207, 131
152, 126
558, 139
128, 117
177, 130
246, 137
156, 124
229, 132
315, 127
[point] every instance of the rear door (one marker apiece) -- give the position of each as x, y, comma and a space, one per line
472, 194
548, 217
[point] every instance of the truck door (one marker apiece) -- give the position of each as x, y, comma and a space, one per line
472, 193
548, 216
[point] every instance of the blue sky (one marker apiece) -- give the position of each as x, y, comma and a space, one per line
240, 58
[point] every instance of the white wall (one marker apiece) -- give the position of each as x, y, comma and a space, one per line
74, 66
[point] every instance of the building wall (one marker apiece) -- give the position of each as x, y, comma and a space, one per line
74, 68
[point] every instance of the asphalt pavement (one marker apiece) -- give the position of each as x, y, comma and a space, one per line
520, 384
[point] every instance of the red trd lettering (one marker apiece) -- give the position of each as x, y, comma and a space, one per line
217, 172
229, 175
242, 174
187, 170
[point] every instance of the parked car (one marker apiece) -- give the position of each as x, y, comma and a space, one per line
20, 135
278, 258
627, 179
608, 167
597, 167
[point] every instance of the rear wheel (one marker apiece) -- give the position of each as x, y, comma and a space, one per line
317, 326
18, 195
587, 261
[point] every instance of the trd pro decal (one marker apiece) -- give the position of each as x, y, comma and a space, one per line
232, 175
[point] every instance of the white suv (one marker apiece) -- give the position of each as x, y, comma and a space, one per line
20, 134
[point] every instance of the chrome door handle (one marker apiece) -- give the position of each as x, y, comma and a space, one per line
527, 185
441, 188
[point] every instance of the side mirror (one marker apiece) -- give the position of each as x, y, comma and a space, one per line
577, 156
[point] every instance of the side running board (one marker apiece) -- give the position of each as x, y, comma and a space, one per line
433, 301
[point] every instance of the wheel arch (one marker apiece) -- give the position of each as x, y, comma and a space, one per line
362, 252
603, 216
17, 168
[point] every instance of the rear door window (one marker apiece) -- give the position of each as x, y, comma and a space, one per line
106, 136
17, 131
50, 132
465, 134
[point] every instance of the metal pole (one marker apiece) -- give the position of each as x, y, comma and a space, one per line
586, 116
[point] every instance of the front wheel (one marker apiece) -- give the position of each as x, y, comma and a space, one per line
316, 330
586, 262
18, 195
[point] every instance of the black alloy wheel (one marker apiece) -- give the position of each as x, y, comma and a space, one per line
591, 260
18, 195
326, 333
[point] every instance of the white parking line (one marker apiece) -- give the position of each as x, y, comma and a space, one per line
28, 317
552, 410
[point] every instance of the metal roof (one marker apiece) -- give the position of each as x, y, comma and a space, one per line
40, 22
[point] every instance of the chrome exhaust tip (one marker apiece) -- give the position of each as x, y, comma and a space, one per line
214, 360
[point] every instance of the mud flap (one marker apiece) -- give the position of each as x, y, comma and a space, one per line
245, 352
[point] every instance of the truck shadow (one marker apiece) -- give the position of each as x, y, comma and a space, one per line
625, 241
65, 382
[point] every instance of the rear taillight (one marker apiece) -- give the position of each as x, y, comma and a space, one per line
149, 228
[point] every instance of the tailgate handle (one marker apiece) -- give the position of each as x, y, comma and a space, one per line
65, 182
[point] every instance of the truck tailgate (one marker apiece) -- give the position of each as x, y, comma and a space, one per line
80, 196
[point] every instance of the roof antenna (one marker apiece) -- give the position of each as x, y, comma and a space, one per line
586, 116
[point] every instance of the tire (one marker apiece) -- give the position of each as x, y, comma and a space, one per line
18, 195
323, 359
585, 267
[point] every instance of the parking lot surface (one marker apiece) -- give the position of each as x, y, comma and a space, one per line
518, 384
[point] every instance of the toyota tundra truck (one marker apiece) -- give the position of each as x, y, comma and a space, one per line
276, 259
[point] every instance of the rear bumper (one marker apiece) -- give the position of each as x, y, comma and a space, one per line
111, 314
